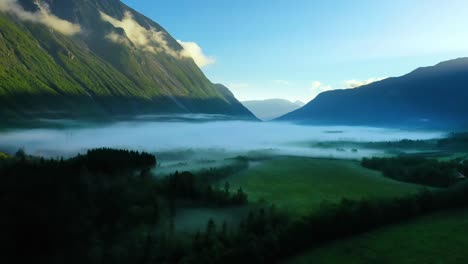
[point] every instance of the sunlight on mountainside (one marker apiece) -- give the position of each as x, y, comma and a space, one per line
135, 131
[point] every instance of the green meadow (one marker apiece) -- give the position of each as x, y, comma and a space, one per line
437, 238
300, 185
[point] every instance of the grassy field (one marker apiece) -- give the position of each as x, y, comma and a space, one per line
299, 185
438, 238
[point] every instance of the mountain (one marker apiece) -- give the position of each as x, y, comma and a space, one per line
87, 58
271, 108
299, 103
434, 97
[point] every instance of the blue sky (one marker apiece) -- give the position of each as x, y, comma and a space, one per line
294, 49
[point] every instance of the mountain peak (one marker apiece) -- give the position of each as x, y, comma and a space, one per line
270, 108
432, 96
99, 56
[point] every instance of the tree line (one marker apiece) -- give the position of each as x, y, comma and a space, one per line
104, 206
268, 236
430, 172
455, 141
96, 209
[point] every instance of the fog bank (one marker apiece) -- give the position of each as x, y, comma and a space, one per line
234, 137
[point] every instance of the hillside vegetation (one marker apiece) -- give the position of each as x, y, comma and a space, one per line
438, 238
46, 73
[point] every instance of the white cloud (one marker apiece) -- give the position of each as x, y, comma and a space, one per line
316, 85
358, 83
154, 41
42, 16
324, 88
114, 37
194, 51
146, 39
318, 88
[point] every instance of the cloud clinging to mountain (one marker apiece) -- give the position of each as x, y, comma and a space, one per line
147, 39
154, 41
358, 83
318, 87
42, 16
193, 50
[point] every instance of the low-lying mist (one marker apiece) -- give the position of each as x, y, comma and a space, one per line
220, 138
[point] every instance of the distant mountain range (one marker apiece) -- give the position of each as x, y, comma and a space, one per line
429, 97
299, 103
81, 58
271, 108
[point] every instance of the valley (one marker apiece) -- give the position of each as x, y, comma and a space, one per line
206, 132
299, 176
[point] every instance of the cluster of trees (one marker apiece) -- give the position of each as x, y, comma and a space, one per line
108, 160
402, 144
76, 211
219, 173
456, 141
267, 236
101, 207
188, 186
96, 209
249, 243
423, 171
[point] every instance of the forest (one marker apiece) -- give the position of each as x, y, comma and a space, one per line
430, 172
105, 206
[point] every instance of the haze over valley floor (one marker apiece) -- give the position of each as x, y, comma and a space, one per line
137, 131
238, 137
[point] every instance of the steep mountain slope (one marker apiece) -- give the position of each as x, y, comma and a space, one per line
271, 108
427, 97
97, 57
